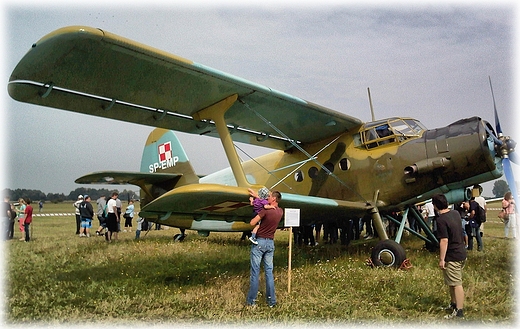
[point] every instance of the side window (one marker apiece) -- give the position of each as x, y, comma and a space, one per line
379, 135
313, 172
344, 164
298, 176
370, 135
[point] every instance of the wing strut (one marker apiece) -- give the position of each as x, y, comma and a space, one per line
216, 113
295, 144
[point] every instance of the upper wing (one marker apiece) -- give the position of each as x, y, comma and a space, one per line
231, 203
91, 71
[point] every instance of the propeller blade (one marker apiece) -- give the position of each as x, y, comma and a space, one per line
508, 172
514, 158
497, 121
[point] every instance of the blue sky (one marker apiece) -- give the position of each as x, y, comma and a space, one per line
430, 62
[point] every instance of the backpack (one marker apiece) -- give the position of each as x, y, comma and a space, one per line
480, 213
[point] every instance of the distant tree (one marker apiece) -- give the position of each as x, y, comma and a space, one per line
37, 195
500, 188
126, 195
56, 197
16, 194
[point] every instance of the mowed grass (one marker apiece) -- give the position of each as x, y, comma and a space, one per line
59, 278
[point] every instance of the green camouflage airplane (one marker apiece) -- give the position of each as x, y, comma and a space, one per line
331, 166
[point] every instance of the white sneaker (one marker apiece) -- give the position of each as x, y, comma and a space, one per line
82, 235
456, 314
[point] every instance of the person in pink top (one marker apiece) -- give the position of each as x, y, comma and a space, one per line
508, 204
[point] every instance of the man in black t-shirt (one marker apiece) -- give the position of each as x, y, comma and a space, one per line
452, 255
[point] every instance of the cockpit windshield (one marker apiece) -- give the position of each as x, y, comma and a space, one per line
394, 130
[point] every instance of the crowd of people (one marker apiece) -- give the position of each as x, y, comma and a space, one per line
21, 212
455, 228
109, 214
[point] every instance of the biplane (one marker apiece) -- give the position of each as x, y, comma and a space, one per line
331, 166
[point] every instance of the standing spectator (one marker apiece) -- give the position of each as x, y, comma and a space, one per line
508, 204
471, 207
119, 206
78, 216
40, 206
264, 250
477, 189
369, 230
308, 235
21, 215
129, 215
101, 214
112, 219
5, 217
452, 254
259, 202
87, 213
10, 234
317, 227
28, 218
429, 216
463, 215
140, 221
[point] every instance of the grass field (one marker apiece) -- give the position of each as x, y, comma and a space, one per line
61, 279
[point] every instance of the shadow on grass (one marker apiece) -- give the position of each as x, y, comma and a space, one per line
152, 262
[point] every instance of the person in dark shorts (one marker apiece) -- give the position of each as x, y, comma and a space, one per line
452, 253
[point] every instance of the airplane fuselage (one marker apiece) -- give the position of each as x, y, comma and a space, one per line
401, 169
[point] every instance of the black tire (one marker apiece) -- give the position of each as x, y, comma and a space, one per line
179, 237
388, 253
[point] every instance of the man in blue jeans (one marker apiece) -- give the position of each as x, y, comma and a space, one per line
264, 250
471, 207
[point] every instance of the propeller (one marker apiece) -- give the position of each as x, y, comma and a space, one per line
505, 146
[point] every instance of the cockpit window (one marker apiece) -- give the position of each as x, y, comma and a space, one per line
390, 131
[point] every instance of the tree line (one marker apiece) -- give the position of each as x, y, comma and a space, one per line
37, 195
500, 187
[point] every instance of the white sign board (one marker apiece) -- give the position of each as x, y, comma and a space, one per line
292, 217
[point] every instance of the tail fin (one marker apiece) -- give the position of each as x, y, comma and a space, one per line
163, 153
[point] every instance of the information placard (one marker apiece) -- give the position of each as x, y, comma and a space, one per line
292, 217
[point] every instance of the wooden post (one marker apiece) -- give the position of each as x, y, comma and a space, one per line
290, 261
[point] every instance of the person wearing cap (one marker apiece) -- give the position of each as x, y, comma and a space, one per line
87, 213
78, 216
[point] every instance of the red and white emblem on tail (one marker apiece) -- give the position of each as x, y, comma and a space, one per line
165, 151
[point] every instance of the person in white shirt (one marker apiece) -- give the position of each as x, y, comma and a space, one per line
112, 219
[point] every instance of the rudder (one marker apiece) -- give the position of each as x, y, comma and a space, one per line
163, 153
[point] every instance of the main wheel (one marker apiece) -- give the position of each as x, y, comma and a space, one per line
388, 253
179, 237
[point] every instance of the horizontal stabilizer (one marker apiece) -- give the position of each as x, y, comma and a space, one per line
134, 178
